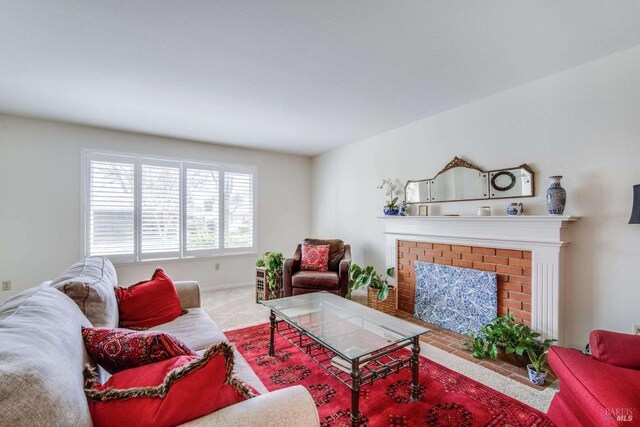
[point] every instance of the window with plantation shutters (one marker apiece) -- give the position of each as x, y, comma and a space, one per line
138, 208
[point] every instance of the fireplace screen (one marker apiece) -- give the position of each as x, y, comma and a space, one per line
459, 299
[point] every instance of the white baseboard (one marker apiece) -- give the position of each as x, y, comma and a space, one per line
226, 286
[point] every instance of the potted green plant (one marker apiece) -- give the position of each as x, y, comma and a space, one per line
391, 207
504, 337
272, 263
537, 372
380, 295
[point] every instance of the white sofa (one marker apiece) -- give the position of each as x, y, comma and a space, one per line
42, 354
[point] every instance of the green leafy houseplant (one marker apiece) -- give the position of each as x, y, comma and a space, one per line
505, 334
538, 361
273, 263
537, 372
363, 277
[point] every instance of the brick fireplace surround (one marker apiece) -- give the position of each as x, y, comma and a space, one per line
512, 268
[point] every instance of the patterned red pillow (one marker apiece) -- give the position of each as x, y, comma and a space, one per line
166, 393
315, 257
119, 349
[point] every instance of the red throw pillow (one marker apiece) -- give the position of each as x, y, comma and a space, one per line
166, 393
148, 303
315, 257
615, 348
119, 349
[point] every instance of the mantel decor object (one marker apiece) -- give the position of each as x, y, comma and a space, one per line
462, 180
515, 209
556, 196
403, 209
391, 188
484, 211
635, 212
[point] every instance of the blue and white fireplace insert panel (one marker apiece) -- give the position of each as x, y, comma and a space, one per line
462, 300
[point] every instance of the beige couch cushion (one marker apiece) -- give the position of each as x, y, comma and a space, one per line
90, 283
41, 359
198, 331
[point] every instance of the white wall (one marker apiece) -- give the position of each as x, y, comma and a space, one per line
40, 201
583, 123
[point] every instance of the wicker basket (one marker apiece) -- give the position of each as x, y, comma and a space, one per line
387, 306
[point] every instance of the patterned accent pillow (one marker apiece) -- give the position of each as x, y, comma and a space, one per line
119, 349
166, 393
315, 257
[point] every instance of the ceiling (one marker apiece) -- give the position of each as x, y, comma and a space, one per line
294, 76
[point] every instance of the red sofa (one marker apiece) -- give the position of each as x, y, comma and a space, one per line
598, 390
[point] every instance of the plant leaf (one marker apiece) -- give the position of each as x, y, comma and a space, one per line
383, 292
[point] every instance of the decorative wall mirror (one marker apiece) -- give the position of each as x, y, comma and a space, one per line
461, 180
417, 191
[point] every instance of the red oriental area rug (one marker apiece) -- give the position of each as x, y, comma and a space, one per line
447, 398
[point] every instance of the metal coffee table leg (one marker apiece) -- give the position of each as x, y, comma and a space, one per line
355, 393
272, 318
415, 371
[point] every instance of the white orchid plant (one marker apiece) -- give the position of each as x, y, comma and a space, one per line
391, 188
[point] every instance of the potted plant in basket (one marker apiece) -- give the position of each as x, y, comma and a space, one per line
381, 295
537, 372
272, 263
391, 207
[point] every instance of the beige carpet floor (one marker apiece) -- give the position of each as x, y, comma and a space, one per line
236, 308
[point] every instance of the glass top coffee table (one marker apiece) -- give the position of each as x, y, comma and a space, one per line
355, 343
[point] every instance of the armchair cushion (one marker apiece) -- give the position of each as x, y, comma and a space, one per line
315, 257
336, 250
615, 348
590, 388
321, 280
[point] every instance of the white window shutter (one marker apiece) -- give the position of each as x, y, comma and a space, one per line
111, 207
238, 210
202, 210
159, 211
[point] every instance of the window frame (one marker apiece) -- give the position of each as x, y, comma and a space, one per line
183, 253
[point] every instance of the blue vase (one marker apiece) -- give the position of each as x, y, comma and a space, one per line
515, 209
390, 212
403, 209
556, 196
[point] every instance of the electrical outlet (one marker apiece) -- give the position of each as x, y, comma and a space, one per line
217, 266
6, 285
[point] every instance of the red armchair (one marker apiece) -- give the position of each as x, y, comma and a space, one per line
598, 390
336, 280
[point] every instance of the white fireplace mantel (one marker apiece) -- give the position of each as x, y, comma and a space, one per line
544, 236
